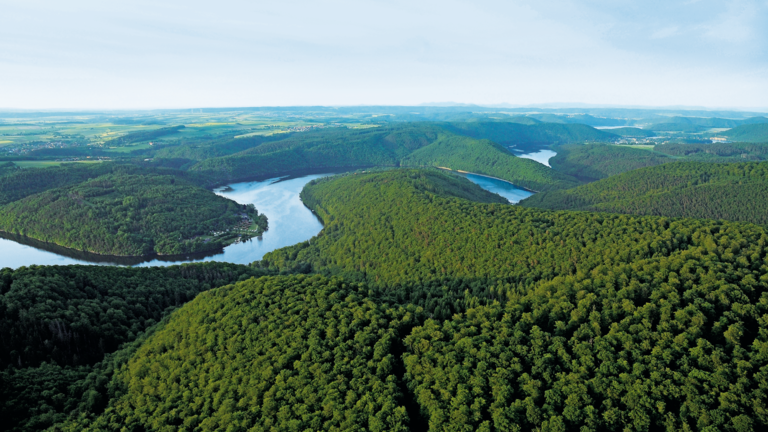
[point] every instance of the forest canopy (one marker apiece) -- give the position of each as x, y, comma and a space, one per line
730, 191
501, 317
128, 215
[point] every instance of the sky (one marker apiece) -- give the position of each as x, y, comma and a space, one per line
183, 54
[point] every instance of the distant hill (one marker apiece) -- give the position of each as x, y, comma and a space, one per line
585, 119
461, 147
676, 127
699, 124
730, 191
717, 152
523, 120
592, 162
757, 132
632, 132
522, 136
489, 158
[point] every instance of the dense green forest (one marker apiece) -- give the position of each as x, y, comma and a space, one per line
393, 145
7, 168
128, 215
201, 149
731, 191
719, 152
466, 315
637, 302
597, 161
488, 158
17, 184
530, 136
331, 148
283, 353
62, 327
757, 132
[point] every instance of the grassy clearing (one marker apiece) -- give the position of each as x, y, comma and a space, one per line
45, 164
638, 146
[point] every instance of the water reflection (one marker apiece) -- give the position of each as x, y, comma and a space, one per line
509, 191
541, 156
289, 223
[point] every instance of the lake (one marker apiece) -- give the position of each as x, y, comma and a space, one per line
541, 156
509, 191
289, 223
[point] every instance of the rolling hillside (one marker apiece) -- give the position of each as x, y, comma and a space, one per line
389, 146
597, 161
126, 215
732, 191
753, 133
451, 314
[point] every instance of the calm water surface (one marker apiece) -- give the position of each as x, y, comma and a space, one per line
505, 189
541, 156
289, 223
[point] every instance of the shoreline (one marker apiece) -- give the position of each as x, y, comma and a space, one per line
97, 258
485, 175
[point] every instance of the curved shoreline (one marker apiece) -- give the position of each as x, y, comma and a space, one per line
485, 175
96, 258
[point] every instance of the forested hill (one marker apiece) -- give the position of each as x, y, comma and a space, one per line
66, 329
455, 314
126, 215
749, 133
524, 136
716, 152
488, 158
731, 191
385, 146
16, 184
597, 161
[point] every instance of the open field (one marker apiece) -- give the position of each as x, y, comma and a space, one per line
638, 146
45, 164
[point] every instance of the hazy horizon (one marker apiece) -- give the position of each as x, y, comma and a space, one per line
173, 55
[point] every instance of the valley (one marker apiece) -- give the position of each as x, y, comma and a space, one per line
373, 269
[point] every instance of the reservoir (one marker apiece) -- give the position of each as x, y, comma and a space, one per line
506, 189
290, 222
541, 156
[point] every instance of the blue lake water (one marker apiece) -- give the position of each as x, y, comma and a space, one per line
541, 156
505, 189
290, 222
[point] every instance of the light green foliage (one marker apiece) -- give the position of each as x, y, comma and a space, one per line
141, 135
489, 158
756, 133
734, 191
409, 144
597, 161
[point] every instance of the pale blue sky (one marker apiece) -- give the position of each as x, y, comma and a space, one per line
151, 54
